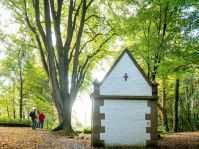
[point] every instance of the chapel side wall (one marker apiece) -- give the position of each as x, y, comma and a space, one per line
153, 117
96, 123
97, 117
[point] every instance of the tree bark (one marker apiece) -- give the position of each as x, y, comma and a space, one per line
8, 113
14, 113
21, 91
188, 104
66, 114
164, 111
164, 117
175, 112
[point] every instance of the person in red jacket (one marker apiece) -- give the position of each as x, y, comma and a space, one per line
41, 120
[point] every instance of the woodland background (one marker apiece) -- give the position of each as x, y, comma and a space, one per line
162, 35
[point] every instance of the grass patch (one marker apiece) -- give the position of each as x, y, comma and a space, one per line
6, 121
87, 130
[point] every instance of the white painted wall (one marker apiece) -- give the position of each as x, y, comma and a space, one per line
125, 123
135, 85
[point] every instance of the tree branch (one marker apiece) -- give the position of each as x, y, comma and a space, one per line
89, 4
52, 8
71, 53
93, 38
43, 58
83, 71
28, 20
16, 6
94, 15
38, 22
69, 28
76, 14
165, 20
59, 8
56, 19
77, 49
49, 47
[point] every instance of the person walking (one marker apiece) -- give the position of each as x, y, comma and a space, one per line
41, 120
33, 118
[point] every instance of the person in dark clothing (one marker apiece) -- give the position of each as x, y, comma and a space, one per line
33, 118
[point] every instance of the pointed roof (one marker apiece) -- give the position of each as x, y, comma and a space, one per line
133, 60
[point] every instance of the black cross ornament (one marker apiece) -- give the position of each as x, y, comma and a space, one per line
125, 76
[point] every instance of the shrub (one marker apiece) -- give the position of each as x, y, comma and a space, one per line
11, 121
87, 130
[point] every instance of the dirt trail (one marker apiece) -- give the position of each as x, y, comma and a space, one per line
26, 138
183, 140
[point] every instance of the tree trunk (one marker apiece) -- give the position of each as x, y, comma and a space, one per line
28, 112
8, 112
66, 114
164, 111
14, 113
59, 113
165, 120
21, 93
57, 100
188, 97
182, 124
164, 117
175, 112
65, 117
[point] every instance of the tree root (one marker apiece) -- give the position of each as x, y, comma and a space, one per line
59, 127
67, 131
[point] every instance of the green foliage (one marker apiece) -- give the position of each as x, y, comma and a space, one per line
161, 34
87, 130
21, 58
6, 120
161, 130
51, 121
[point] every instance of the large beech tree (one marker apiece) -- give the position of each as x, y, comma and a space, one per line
79, 39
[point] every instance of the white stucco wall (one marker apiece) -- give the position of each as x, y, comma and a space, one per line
125, 123
135, 85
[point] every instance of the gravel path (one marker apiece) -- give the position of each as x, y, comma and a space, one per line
26, 138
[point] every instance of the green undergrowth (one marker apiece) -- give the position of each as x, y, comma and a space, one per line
165, 132
162, 130
14, 121
72, 133
87, 130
